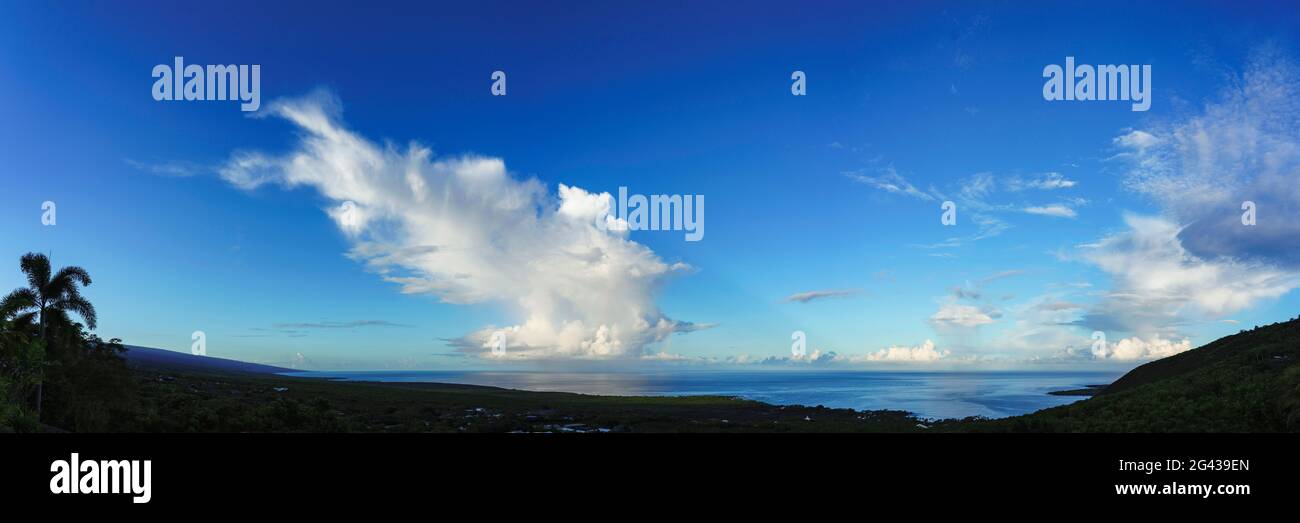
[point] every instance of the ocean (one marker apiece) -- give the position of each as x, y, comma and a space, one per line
926, 394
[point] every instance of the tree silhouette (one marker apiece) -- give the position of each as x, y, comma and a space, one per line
50, 297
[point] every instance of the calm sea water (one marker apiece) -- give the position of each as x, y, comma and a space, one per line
927, 394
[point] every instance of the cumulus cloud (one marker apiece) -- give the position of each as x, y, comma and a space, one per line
805, 297
1158, 283
462, 228
1136, 348
816, 357
956, 315
924, 352
920, 354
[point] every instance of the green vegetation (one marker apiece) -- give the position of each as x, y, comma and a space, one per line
52, 371
1247, 382
1090, 390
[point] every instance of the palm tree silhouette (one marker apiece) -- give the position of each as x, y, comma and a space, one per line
50, 298
12, 317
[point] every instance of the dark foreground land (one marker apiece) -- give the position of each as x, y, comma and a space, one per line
1248, 382
196, 401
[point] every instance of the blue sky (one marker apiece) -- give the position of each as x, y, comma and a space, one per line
1073, 217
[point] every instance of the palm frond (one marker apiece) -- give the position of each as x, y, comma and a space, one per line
37, 268
75, 303
17, 301
67, 278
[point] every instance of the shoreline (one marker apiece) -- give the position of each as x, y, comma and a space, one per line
997, 395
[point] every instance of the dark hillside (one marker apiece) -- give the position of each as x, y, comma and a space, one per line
1265, 348
145, 357
1247, 382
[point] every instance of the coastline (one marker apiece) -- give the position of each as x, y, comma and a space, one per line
927, 395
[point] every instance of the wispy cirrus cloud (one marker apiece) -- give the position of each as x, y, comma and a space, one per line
1056, 209
338, 324
977, 195
301, 329
887, 179
1044, 182
170, 169
805, 297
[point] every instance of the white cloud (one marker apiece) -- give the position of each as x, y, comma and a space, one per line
953, 314
1056, 209
1159, 284
1244, 145
1139, 141
1135, 348
924, 352
1044, 182
172, 169
888, 180
975, 188
463, 229
1198, 262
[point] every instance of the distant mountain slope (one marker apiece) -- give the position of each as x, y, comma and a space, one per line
149, 357
1246, 382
